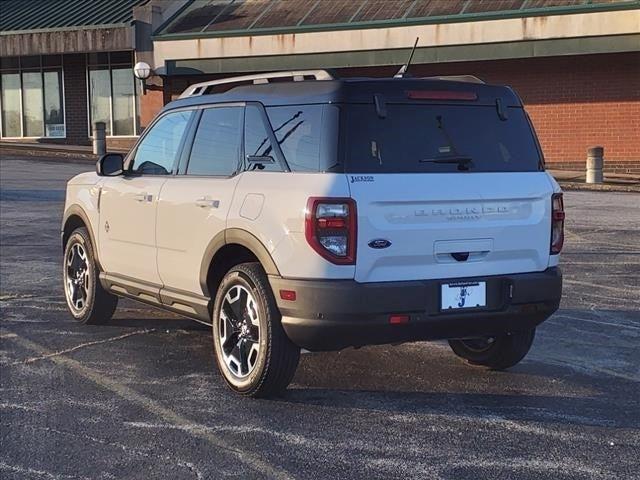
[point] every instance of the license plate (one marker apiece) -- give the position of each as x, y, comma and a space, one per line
463, 295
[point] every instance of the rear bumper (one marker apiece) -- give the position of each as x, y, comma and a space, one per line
334, 314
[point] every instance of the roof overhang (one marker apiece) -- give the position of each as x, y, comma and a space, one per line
494, 51
570, 34
70, 40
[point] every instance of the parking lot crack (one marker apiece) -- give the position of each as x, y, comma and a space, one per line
14, 296
82, 345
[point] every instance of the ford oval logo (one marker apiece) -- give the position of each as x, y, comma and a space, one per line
379, 243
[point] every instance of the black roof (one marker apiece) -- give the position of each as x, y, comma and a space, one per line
351, 90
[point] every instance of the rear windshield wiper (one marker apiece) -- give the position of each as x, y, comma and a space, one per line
463, 162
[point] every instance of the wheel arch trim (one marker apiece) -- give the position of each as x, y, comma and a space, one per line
77, 211
239, 237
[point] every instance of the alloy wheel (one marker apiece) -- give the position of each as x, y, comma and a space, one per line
77, 280
239, 331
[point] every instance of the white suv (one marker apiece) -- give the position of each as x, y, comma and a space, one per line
323, 213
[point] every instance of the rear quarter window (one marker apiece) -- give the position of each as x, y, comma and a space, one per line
307, 135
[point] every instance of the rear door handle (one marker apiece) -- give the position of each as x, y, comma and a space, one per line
207, 202
143, 197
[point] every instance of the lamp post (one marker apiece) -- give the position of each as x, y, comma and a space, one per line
142, 71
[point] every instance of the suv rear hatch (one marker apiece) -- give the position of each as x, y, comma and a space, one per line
450, 188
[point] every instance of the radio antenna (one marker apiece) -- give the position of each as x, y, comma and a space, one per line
403, 69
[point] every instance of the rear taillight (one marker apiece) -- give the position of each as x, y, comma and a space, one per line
557, 223
331, 229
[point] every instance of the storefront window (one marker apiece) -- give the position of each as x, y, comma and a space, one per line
31, 103
100, 97
11, 117
123, 101
112, 93
53, 114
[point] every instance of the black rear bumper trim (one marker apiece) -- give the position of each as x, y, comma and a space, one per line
334, 314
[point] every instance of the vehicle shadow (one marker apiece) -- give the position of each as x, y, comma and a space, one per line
409, 382
427, 379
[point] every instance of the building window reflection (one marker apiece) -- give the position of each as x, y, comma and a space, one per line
32, 97
113, 93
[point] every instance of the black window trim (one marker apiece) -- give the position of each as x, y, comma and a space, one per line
174, 168
280, 158
186, 148
542, 163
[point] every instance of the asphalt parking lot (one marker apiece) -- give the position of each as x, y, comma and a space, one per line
141, 398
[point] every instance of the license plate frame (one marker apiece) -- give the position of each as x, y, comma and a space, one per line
463, 295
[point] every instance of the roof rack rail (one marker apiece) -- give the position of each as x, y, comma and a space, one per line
457, 78
297, 76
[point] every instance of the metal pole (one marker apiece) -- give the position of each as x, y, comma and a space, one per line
99, 138
595, 162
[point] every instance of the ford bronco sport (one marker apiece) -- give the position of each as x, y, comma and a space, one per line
322, 213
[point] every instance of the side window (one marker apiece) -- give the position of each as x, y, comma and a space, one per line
159, 149
217, 144
256, 138
299, 129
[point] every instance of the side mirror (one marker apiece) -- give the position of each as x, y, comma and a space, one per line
259, 161
110, 165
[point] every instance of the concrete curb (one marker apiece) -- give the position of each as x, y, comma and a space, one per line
48, 156
84, 160
599, 187
53, 153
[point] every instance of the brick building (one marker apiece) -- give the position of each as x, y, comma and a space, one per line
575, 63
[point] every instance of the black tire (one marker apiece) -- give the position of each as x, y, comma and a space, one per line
496, 353
267, 369
97, 306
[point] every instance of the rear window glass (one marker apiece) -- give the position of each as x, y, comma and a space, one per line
437, 138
